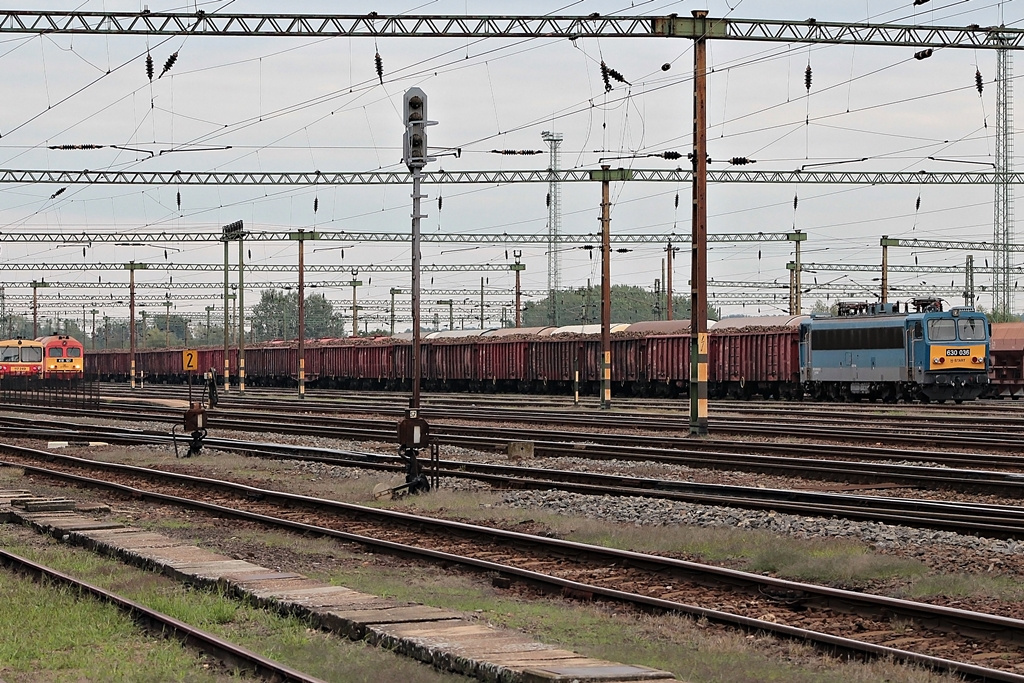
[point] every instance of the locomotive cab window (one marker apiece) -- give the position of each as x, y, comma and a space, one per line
10, 354
31, 354
74, 352
56, 352
971, 329
918, 330
942, 330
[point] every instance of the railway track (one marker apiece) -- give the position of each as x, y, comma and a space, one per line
620, 403
990, 520
232, 655
996, 434
873, 465
821, 615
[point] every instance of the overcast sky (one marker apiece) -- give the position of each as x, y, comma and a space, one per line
301, 104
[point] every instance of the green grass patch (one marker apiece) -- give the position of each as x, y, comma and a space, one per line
963, 586
822, 560
286, 639
49, 633
298, 543
682, 645
169, 523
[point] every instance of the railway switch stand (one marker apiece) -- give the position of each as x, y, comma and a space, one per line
414, 436
195, 423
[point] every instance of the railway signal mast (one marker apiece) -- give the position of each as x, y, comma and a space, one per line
413, 432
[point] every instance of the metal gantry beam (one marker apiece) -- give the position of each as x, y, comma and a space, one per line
876, 268
202, 23
99, 298
827, 287
303, 178
258, 268
949, 244
249, 285
137, 239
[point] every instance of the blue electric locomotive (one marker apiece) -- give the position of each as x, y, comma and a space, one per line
875, 351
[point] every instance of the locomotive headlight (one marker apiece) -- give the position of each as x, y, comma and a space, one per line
938, 360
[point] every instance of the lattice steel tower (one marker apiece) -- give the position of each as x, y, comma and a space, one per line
554, 141
1002, 290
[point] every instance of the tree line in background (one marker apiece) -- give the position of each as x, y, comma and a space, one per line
629, 304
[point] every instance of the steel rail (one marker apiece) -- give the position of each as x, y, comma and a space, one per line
161, 624
978, 431
991, 520
779, 460
903, 434
1005, 628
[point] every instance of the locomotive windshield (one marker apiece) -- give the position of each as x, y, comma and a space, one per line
971, 329
9, 354
942, 329
31, 354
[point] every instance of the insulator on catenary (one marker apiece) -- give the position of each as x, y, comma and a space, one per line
604, 76
917, 206
978, 83
316, 204
547, 199
669, 155
741, 161
617, 76
179, 199
67, 147
807, 78
169, 63
440, 200
514, 152
378, 64
923, 54
796, 200
58, 193
677, 200
666, 66
622, 250
919, 2
149, 66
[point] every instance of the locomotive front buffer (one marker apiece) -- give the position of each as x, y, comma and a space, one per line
413, 437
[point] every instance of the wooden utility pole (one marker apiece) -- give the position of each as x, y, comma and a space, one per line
699, 257
606, 293
668, 281
241, 309
301, 236
131, 268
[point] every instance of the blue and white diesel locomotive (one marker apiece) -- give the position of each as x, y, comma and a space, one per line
875, 351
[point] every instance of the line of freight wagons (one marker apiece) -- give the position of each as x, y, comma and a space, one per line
646, 361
